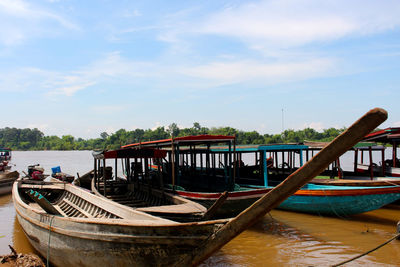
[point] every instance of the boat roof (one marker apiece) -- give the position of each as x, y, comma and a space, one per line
4, 149
267, 147
387, 135
359, 145
184, 140
130, 153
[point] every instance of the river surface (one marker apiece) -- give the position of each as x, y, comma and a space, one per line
281, 238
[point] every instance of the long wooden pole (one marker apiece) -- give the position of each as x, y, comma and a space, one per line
294, 182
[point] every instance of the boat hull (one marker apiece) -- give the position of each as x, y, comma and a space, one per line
109, 242
6, 181
340, 206
323, 200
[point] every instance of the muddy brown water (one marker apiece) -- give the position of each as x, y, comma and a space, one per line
281, 238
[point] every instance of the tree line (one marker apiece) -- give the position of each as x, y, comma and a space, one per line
34, 139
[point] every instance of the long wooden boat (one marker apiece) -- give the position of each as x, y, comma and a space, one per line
7, 179
5, 154
388, 136
92, 231
365, 173
252, 181
317, 199
74, 227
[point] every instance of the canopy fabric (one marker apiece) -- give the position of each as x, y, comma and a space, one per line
387, 135
130, 153
185, 140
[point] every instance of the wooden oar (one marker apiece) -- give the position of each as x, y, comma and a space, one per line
290, 185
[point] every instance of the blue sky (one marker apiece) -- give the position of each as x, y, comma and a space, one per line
84, 67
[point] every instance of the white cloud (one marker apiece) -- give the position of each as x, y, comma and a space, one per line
21, 20
111, 68
107, 109
287, 23
243, 71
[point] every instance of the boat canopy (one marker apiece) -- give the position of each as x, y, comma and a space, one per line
130, 153
388, 135
267, 148
185, 140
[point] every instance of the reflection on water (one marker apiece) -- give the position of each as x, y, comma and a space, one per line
283, 238
279, 239
7, 215
20, 241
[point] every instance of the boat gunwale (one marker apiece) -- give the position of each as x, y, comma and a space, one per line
162, 223
302, 192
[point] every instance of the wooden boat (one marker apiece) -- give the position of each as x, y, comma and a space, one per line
88, 230
5, 154
7, 179
74, 227
138, 194
56, 173
250, 182
85, 181
363, 174
388, 136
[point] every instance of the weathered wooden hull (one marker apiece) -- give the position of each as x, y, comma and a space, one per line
141, 240
235, 203
326, 200
6, 181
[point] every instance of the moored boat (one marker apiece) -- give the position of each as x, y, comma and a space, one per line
7, 179
60, 219
365, 171
57, 174
200, 176
88, 230
5, 154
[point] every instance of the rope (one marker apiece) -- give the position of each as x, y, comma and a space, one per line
366, 253
48, 244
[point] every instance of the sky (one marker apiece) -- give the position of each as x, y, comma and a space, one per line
85, 67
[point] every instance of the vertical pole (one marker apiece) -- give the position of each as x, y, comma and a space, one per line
228, 166
95, 170
201, 161
177, 164
116, 170
362, 156
98, 178
340, 174
355, 160
383, 162
173, 163
235, 159
128, 166
394, 153
264, 165
370, 164
301, 157
294, 159
104, 176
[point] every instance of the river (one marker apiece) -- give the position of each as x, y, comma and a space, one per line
281, 238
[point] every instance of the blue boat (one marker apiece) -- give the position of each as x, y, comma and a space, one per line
202, 168
278, 161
